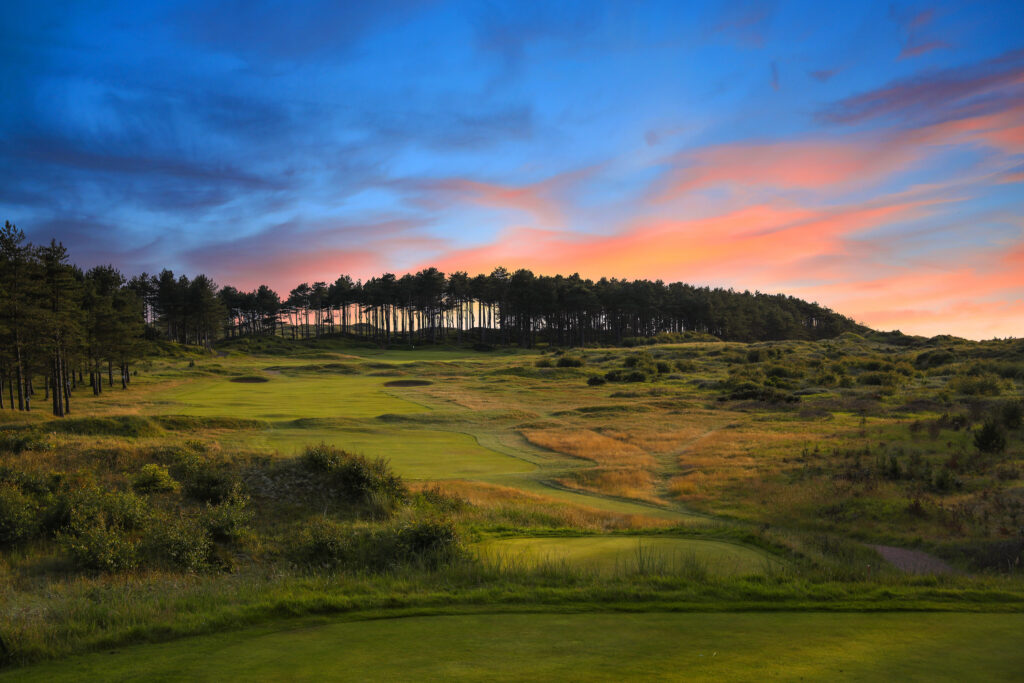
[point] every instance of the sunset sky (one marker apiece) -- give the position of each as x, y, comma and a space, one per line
867, 156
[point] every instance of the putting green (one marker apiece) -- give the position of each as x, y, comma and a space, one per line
631, 553
414, 453
285, 397
691, 646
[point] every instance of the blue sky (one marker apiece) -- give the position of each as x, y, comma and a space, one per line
865, 155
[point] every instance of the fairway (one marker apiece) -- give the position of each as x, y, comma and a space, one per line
285, 397
692, 646
608, 554
413, 453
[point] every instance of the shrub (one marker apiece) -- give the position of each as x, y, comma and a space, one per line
209, 484
17, 515
153, 478
613, 376
570, 362
21, 441
227, 520
990, 438
544, 363
77, 508
328, 544
596, 381
95, 545
635, 376
356, 478
1012, 414
663, 367
686, 366
985, 384
181, 543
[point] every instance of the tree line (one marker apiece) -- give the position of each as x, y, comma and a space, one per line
59, 323
521, 308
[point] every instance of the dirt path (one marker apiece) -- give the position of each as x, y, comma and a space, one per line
913, 561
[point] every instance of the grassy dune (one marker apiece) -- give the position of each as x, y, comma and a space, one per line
738, 646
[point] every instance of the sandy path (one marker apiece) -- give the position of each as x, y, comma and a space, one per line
913, 561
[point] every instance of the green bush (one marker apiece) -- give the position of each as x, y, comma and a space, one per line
663, 367
328, 544
180, 543
18, 515
77, 508
153, 478
19, 441
95, 545
227, 520
985, 384
570, 362
357, 479
211, 484
544, 363
596, 381
635, 376
1011, 414
990, 438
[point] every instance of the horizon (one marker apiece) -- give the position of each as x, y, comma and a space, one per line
873, 167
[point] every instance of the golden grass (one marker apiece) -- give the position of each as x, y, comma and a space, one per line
505, 501
589, 445
623, 483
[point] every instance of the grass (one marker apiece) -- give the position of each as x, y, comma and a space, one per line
413, 453
622, 553
568, 484
592, 646
285, 397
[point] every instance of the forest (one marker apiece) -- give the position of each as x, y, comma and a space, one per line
62, 326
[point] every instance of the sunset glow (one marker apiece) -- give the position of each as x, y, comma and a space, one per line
866, 156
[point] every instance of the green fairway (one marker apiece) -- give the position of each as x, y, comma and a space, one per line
729, 646
631, 553
284, 397
414, 453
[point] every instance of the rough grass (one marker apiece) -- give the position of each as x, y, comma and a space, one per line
632, 554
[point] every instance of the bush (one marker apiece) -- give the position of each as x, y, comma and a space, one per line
635, 376
95, 545
181, 543
1012, 414
570, 362
663, 367
356, 478
209, 484
227, 520
153, 478
985, 384
544, 363
79, 508
18, 511
597, 381
328, 544
21, 441
990, 438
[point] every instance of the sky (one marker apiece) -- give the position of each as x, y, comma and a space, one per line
866, 156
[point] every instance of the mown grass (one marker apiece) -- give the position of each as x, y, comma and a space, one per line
287, 397
413, 453
585, 647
